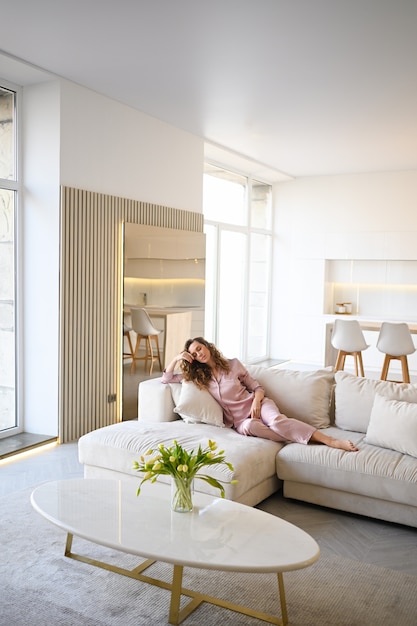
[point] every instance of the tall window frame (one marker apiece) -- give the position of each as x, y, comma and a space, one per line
10, 422
238, 225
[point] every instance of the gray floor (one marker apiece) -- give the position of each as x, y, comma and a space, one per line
375, 542
130, 387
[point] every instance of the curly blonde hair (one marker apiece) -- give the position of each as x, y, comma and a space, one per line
200, 373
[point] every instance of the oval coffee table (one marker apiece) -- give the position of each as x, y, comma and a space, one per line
218, 534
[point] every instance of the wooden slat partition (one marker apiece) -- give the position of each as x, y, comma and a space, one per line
91, 302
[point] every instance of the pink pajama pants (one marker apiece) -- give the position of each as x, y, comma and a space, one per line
275, 426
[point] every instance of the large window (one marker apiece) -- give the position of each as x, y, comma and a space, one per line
238, 225
8, 192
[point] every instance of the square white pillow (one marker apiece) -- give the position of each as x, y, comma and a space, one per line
197, 405
393, 425
303, 395
354, 398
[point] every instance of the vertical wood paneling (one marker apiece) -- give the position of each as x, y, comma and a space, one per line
91, 302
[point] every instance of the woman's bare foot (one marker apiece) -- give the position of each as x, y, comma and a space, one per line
332, 442
343, 444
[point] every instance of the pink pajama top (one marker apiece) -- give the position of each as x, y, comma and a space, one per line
234, 391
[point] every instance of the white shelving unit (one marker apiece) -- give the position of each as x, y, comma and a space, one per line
377, 289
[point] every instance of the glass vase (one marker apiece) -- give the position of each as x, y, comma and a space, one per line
182, 494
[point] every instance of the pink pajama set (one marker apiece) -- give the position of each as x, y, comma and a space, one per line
234, 391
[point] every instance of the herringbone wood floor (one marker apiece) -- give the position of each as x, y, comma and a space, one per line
350, 536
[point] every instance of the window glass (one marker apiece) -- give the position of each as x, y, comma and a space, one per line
7, 343
210, 309
238, 224
7, 135
230, 323
224, 196
258, 304
8, 191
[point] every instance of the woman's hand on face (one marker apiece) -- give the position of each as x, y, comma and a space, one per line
185, 356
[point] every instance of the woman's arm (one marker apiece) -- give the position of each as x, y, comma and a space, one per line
258, 397
183, 356
254, 387
168, 375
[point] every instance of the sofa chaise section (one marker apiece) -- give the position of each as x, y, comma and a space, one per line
109, 452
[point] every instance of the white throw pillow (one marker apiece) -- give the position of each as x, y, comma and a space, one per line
393, 425
354, 398
197, 405
303, 395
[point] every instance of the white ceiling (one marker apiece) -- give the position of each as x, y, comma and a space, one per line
304, 87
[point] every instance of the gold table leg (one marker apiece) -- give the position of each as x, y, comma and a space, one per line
174, 608
176, 616
282, 598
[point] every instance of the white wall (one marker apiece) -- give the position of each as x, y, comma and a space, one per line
75, 137
111, 148
39, 253
366, 216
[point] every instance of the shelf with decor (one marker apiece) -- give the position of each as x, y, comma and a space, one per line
378, 289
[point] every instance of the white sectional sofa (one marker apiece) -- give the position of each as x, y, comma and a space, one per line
380, 417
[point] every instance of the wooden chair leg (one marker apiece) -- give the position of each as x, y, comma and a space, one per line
128, 354
133, 366
149, 353
157, 352
362, 371
340, 361
135, 357
404, 368
385, 367
154, 356
355, 362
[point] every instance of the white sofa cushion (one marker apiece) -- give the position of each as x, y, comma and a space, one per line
115, 448
303, 395
374, 472
196, 405
393, 425
354, 398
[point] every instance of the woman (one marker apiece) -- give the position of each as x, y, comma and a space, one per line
245, 407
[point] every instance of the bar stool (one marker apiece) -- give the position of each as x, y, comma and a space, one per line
349, 340
396, 343
144, 329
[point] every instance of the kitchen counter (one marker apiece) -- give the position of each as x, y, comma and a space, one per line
154, 310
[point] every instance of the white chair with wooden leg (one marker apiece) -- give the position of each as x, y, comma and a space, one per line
144, 329
396, 343
349, 340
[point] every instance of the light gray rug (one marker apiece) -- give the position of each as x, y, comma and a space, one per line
41, 587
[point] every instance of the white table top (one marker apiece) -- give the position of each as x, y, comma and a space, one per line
218, 534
